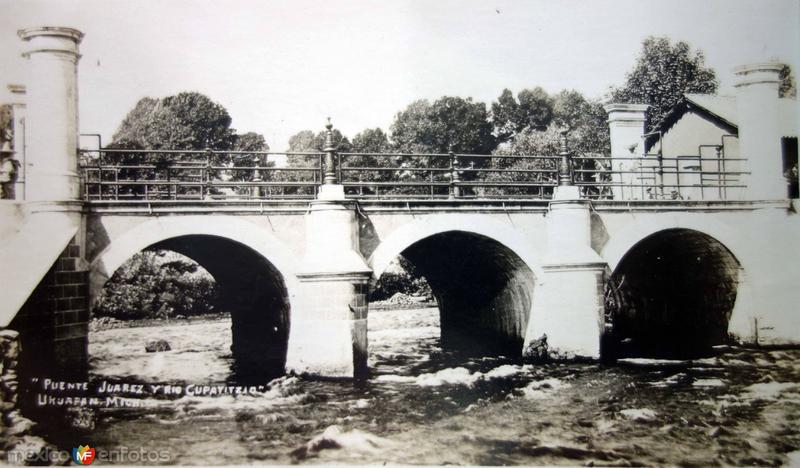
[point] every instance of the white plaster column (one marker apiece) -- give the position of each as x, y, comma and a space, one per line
759, 129
626, 127
328, 335
52, 113
569, 302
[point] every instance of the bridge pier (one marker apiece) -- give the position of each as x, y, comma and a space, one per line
328, 334
569, 304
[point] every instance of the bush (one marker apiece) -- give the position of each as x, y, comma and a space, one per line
156, 285
406, 280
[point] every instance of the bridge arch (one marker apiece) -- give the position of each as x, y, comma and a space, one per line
419, 229
672, 292
254, 274
622, 241
161, 228
483, 275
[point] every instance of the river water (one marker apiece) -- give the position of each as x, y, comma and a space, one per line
419, 406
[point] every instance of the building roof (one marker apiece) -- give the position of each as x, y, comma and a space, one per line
722, 109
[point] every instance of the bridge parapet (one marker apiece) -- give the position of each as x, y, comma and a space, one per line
112, 175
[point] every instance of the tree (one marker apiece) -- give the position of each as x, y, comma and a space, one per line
449, 124
250, 141
532, 108
306, 141
185, 121
662, 74
188, 120
157, 284
536, 108
585, 121
302, 141
371, 140
529, 142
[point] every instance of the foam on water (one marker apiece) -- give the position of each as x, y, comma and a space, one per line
424, 406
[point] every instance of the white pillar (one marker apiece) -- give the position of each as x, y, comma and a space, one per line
759, 129
52, 113
328, 335
569, 303
626, 127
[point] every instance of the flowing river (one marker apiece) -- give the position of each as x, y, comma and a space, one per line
419, 406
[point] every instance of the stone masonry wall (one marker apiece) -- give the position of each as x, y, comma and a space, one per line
18, 445
53, 323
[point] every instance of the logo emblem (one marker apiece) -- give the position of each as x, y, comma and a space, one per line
83, 455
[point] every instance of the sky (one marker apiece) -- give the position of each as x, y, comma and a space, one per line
279, 67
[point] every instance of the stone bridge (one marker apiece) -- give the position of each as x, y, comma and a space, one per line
672, 277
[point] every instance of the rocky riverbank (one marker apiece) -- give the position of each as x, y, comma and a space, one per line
109, 323
403, 301
18, 444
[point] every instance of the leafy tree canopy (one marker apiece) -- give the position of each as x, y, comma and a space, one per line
308, 141
188, 120
250, 141
585, 121
157, 284
532, 108
449, 124
371, 140
662, 74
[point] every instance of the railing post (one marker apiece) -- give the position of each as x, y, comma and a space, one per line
330, 155
660, 157
565, 173
209, 153
721, 179
257, 177
455, 177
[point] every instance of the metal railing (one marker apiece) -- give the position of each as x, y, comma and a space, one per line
447, 176
662, 178
122, 174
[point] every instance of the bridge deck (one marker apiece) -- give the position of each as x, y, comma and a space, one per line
153, 207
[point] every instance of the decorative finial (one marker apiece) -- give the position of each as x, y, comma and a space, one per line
565, 176
564, 132
329, 160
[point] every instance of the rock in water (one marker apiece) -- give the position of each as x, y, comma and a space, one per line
156, 346
639, 414
334, 438
536, 351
